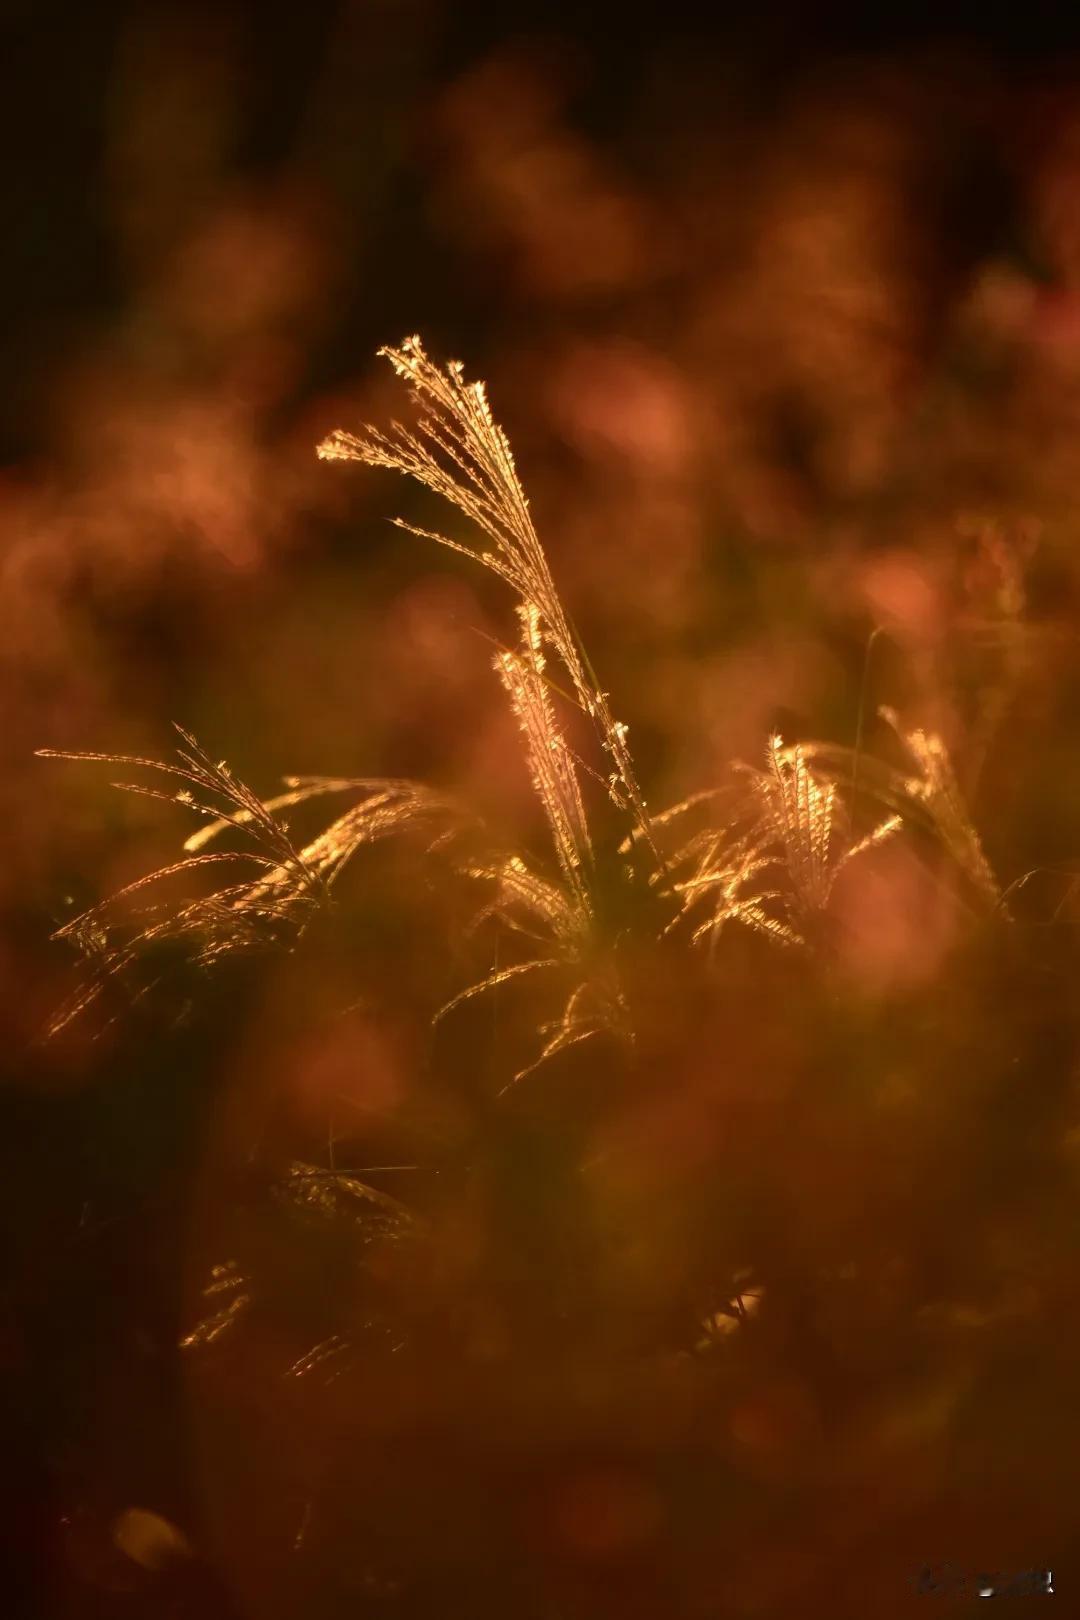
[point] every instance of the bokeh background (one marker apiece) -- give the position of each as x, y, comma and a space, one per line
783, 316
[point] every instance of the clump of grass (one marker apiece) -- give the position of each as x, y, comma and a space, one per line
681, 1196
768, 863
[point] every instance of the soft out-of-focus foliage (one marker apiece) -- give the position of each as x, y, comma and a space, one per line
764, 1309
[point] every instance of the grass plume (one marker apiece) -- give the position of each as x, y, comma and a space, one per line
460, 452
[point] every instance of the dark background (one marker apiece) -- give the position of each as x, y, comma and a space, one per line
212, 218
62, 273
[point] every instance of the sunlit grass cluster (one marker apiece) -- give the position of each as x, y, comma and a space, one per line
695, 1174
760, 851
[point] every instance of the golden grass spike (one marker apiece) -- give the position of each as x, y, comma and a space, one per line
937, 789
752, 915
300, 791
225, 1279
883, 830
550, 761
801, 818
571, 1028
316, 1359
336, 1194
494, 980
798, 813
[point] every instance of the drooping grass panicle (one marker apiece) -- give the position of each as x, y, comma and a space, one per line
290, 881
713, 875
528, 903
209, 927
594, 1007
229, 1298
312, 1199
460, 452
720, 881
936, 788
497, 977
212, 790
927, 797
557, 920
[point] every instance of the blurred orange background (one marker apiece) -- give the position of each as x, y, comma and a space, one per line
783, 319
